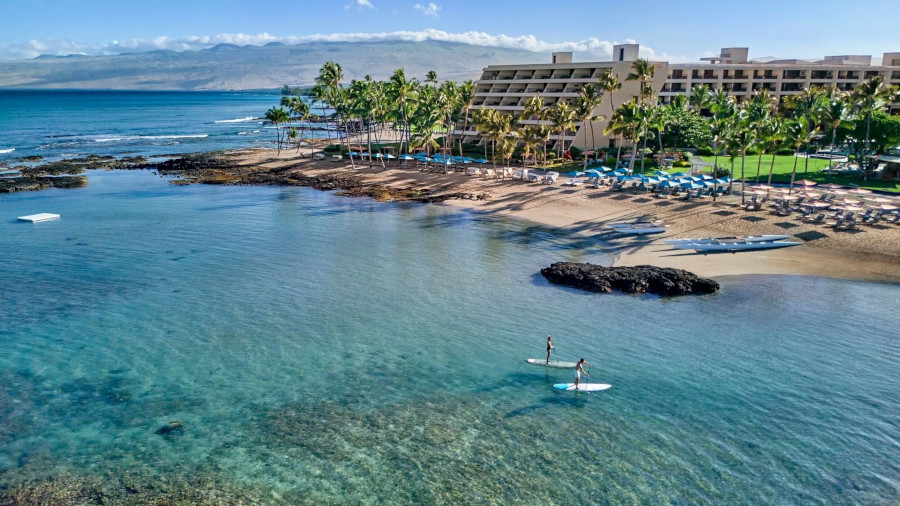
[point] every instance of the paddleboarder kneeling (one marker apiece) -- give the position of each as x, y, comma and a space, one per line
549, 347
579, 368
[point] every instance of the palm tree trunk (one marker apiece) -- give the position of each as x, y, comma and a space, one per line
758, 166
715, 167
643, 148
794, 172
831, 149
743, 157
865, 162
771, 167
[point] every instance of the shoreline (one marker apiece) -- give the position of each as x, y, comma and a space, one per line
871, 253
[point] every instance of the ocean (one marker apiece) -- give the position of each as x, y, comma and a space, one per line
62, 124
318, 349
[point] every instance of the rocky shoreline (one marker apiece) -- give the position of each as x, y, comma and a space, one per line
217, 168
638, 279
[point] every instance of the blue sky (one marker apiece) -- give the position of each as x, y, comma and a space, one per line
675, 29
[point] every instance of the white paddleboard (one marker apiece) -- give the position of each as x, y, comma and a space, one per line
555, 364
582, 387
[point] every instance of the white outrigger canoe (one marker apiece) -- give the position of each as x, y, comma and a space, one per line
736, 246
629, 224
723, 240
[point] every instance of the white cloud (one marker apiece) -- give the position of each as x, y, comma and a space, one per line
431, 9
586, 49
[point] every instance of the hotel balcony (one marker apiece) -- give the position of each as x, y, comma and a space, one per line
822, 74
735, 74
848, 74
706, 75
678, 74
767, 74
794, 74
788, 87
763, 86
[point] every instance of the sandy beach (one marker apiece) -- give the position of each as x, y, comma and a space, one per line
871, 253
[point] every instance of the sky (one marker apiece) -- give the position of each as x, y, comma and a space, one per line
674, 30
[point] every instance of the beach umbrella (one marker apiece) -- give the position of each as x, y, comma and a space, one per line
594, 172
660, 173
678, 174
621, 171
764, 187
851, 201
787, 197
840, 192
861, 191
481, 161
575, 173
668, 184
853, 208
706, 177
606, 169
887, 207
879, 200
390, 156
805, 182
831, 186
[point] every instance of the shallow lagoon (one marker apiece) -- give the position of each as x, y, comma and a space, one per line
324, 349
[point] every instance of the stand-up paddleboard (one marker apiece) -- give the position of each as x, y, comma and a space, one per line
582, 387
554, 364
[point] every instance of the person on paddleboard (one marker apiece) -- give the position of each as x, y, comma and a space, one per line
579, 369
549, 347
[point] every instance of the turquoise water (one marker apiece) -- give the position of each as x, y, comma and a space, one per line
322, 349
65, 124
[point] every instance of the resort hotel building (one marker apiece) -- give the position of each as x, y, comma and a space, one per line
507, 87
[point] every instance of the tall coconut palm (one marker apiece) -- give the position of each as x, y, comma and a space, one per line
588, 100
867, 98
330, 77
402, 91
625, 123
609, 83
278, 117
835, 113
642, 71
796, 134
771, 136
743, 137
299, 110
759, 112
562, 118
808, 104
466, 95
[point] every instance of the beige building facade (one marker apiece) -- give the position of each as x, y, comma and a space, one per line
508, 87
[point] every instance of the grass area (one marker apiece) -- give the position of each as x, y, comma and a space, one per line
785, 164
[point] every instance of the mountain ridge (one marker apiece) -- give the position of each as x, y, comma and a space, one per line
233, 67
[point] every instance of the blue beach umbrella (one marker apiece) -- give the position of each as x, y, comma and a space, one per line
593, 173
574, 173
606, 169
706, 177
668, 184
481, 161
407, 157
389, 156
660, 173
621, 171
678, 174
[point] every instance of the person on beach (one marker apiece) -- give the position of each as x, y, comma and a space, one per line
549, 347
579, 369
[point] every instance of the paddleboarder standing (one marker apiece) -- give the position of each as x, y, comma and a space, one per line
579, 369
549, 347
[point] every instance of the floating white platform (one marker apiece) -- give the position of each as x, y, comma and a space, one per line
39, 217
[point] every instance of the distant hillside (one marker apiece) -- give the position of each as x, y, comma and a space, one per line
230, 67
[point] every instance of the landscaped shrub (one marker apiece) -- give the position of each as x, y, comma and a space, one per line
705, 151
681, 164
784, 152
752, 152
687, 155
575, 152
610, 161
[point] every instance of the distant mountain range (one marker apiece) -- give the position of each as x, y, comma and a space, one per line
231, 67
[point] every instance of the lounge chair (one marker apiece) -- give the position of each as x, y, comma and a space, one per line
820, 218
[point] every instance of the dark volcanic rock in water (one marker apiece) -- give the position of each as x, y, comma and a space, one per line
639, 279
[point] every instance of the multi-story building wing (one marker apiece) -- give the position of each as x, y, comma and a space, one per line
507, 87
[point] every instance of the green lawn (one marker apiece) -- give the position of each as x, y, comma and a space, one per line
785, 164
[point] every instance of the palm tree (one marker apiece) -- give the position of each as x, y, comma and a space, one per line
867, 98
466, 95
609, 83
562, 117
659, 119
402, 91
743, 137
589, 98
641, 70
771, 135
835, 113
532, 137
431, 77
330, 76
796, 134
759, 112
278, 116
807, 104
625, 122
